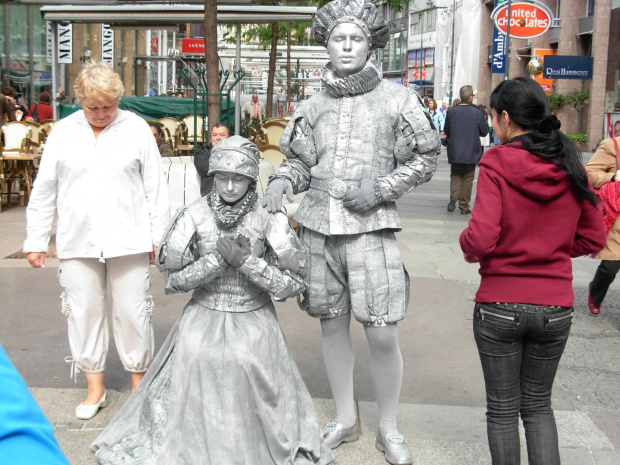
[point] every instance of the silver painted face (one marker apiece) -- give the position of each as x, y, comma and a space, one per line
231, 186
348, 49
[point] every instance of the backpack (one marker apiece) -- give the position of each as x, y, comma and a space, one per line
35, 113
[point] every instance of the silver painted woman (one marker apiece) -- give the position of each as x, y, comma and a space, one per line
356, 147
224, 388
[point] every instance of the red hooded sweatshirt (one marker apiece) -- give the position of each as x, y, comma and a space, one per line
527, 223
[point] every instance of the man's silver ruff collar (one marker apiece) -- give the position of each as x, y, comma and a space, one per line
363, 81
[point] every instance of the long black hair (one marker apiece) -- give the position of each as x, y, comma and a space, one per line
526, 103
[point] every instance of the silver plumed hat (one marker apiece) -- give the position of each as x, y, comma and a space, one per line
360, 12
235, 155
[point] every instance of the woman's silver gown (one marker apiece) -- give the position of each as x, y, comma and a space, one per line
223, 389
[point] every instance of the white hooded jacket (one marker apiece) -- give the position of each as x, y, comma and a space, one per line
110, 192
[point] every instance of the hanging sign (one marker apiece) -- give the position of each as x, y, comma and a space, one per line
527, 19
193, 46
498, 53
107, 44
65, 43
568, 67
48, 40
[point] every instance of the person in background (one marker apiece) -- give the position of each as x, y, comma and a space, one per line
534, 211
603, 168
165, 149
617, 129
254, 110
437, 117
203, 155
42, 110
21, 104
465, 125
10, 106
456, 101
100, 174
173, 94
444, 108
62, 97
26, 435
485, 141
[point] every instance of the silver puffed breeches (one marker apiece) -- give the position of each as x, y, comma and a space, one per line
362, 273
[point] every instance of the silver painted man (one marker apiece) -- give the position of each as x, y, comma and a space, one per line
356, 147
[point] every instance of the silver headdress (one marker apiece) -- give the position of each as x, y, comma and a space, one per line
360, 12
235, 155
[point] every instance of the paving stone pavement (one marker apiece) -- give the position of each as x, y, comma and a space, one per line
442, 399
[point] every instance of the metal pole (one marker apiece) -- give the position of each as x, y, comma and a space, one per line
452, 53
31, 57
55, 65
507, 48
238, 86
421, 52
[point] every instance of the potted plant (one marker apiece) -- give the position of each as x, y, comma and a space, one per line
556, 101
578, 99
579, 139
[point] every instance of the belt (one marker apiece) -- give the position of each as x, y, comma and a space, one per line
336, 188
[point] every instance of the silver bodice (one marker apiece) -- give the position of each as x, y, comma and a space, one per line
190, 260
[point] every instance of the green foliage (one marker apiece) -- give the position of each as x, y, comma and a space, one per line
578, 138
578, 99
556, 101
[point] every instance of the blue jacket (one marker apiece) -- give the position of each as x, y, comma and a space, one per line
26, 436
465, 125
438, 120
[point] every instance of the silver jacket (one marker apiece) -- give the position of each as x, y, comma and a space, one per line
372, 129
189, 258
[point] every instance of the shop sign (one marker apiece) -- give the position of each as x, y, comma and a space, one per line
107, 44
154, 45
543, 53
257, 73
65, 43
498, 52
568, 67
527, 19
193, 46
48, 40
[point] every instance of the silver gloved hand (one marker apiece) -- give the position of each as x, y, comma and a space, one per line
234, 252
273, 194
364, 198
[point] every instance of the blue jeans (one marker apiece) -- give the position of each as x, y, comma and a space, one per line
520, 346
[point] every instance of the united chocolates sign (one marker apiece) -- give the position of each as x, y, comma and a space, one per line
527, 19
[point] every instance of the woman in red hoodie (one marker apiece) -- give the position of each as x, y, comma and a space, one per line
534, 211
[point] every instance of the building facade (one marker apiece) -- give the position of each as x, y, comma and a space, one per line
583, 27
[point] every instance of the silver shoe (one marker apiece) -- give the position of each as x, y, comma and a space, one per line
396, 451
334, 434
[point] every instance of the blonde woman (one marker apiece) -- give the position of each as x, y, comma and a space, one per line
100, 174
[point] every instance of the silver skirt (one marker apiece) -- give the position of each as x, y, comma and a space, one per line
224, 389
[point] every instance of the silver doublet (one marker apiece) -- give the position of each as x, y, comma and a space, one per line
337, 188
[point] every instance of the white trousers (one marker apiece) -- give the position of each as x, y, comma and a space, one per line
85, 281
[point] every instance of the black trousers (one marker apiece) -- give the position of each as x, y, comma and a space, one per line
604, 276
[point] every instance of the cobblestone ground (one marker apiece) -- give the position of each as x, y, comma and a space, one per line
590, 367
